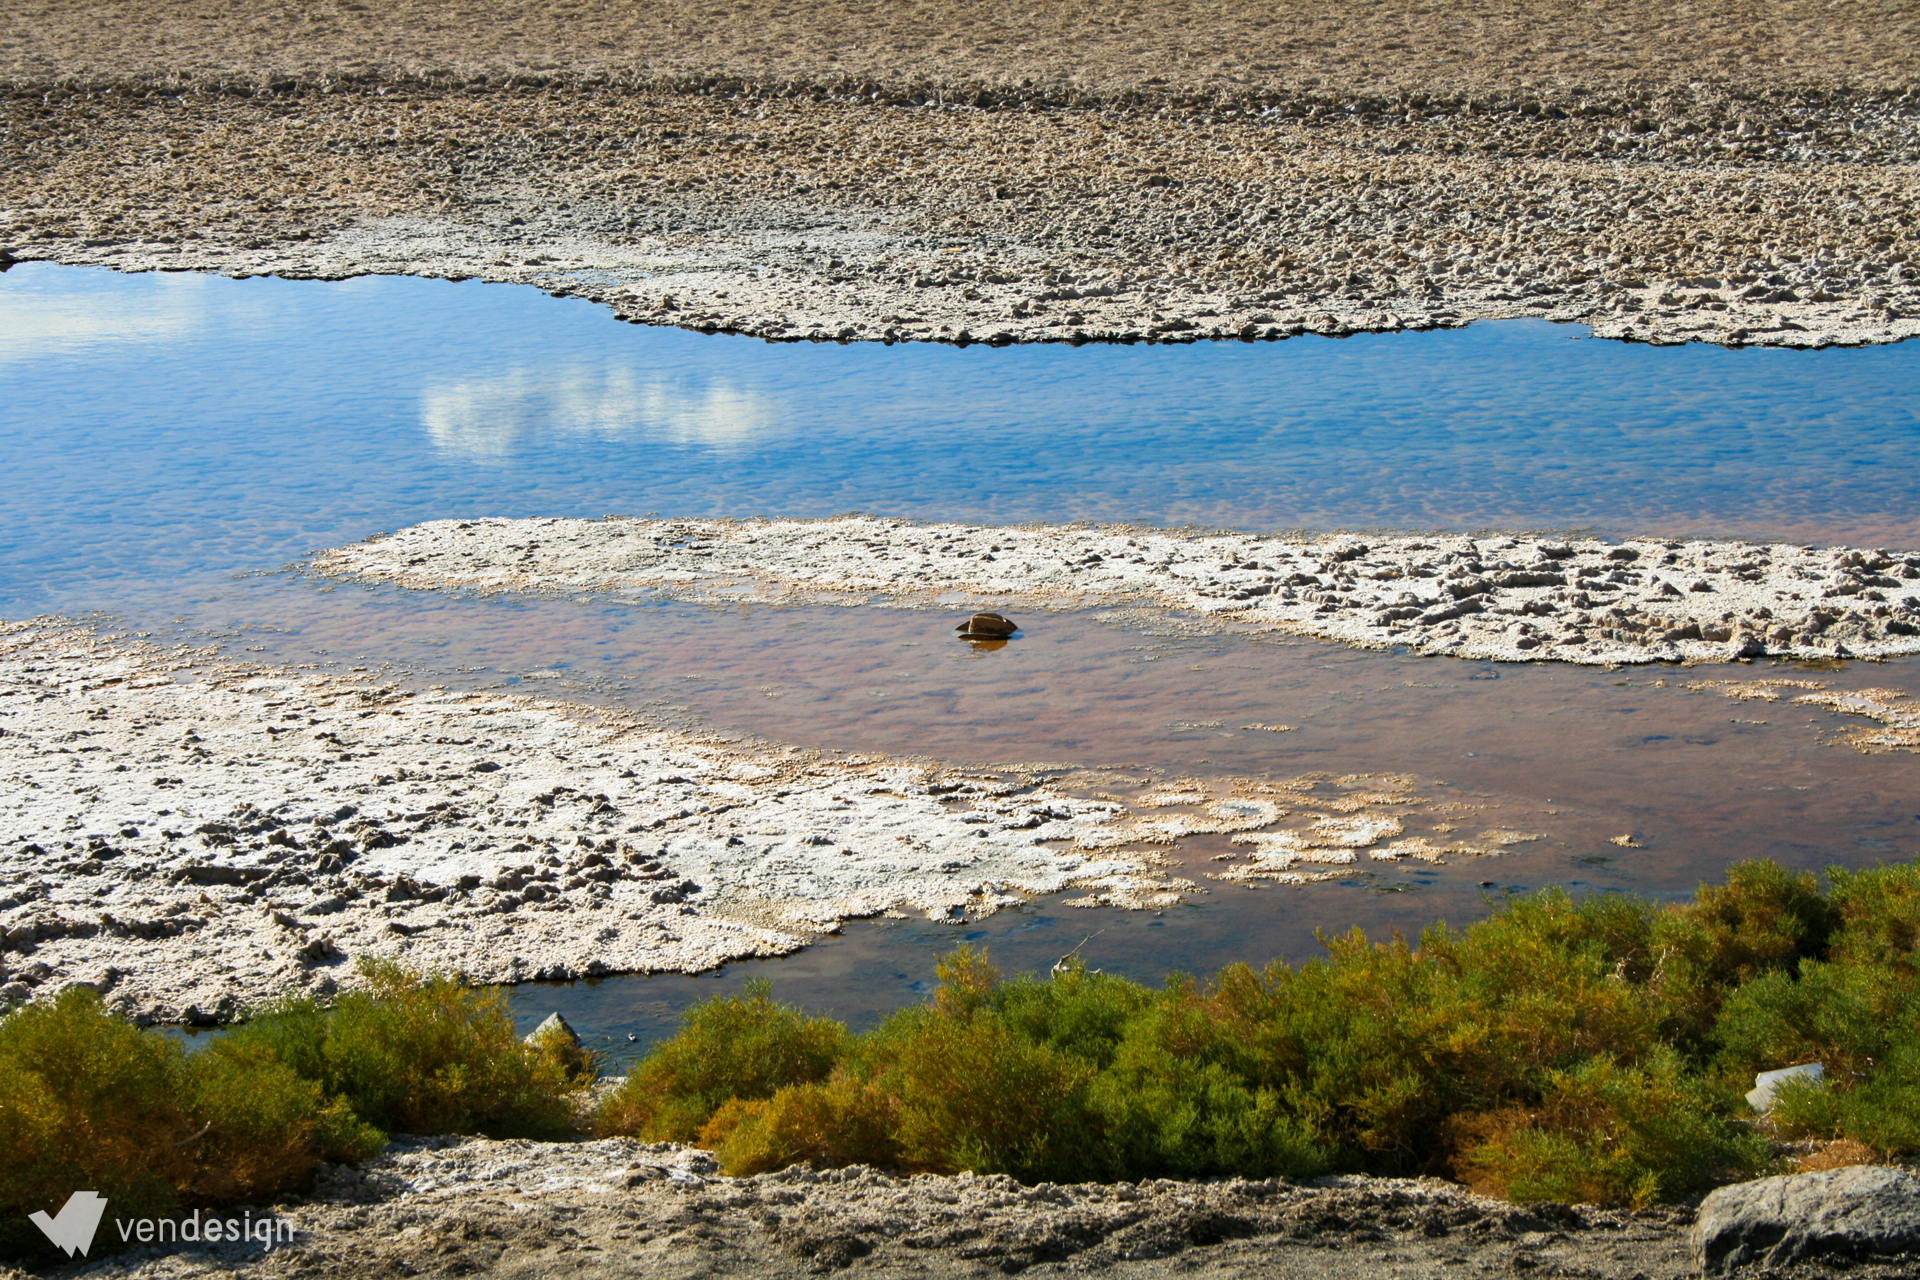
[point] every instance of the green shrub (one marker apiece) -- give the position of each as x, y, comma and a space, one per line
744, 1047
1841, 1016
414, 1054
1607, 1133
974, 1093
1764, 919
1856, 1012
1168, 1116
1561, 1048
840, 1122
86, 1103
90, 1102
263, 1129
1879, 916
1861, 1023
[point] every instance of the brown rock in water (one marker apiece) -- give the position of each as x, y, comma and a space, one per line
987, 626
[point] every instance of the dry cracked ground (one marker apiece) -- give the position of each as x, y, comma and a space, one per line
950, 171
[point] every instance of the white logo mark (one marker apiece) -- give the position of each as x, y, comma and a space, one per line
79, 1217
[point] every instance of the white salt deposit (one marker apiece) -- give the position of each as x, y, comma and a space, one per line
1505, 598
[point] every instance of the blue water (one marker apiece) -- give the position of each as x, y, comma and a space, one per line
166, 438
163, 431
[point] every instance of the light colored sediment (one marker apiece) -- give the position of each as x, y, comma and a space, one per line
1517, 598
1112, 229
191, 847
956, 172
192, 836
463, 1206
1895, 712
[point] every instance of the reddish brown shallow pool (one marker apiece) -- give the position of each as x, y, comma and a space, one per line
1578, 756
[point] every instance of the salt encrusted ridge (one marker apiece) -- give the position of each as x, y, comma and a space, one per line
1508, 598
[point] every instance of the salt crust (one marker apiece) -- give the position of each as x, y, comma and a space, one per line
191, 836
1894, 709
191, 847
1503, 598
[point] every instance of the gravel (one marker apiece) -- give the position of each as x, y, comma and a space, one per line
457, 1206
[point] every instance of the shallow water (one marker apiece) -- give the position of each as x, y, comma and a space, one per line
173, 440
171, 427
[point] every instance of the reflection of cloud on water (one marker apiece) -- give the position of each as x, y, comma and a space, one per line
39, 318
500, 416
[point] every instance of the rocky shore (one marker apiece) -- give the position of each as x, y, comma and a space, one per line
457, 1206
950, 174
1519, 598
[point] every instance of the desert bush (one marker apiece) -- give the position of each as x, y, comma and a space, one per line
86, 1103
1167, 1116
1381, 1046
90, 1102
1603, 1132
842, 1121
1856, 1012
1763, 920
418, 1054
735, 1047
262, 1129
1879, 1110
576, 1064
1878, 913
975, 1093
1842, 1016
1570, 1048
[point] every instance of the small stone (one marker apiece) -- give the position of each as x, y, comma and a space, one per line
554, 1023
987, 626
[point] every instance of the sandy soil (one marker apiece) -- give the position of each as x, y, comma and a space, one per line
1507, 598
953, 172
1163, 48
453, 1207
